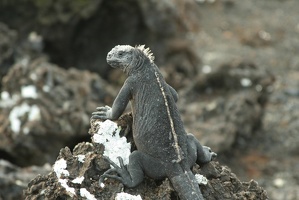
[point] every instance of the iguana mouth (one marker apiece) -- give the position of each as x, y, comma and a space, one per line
114, 63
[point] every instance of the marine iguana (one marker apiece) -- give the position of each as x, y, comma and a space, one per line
164, 149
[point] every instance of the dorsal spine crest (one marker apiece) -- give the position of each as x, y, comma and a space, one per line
147, 52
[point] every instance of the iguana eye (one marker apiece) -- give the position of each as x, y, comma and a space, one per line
120, 53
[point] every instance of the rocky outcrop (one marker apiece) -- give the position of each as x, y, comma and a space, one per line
75, 174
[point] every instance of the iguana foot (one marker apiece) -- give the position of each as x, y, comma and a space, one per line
102, 113
209, 154
123, 174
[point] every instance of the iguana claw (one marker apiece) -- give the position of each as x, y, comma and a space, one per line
102, 113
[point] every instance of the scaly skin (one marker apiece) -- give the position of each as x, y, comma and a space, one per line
164, 149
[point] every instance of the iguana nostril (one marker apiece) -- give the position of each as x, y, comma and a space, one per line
109, 55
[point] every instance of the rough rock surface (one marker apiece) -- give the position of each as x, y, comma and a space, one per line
253, 31
44, 108
13, 179
8, 39
225, 105
85, 29
222, 183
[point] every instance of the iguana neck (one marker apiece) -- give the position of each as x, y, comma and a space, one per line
136, 66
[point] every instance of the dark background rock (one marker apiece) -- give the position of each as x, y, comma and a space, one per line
13, 179
87, 30
62, 100
8, 39
234, 63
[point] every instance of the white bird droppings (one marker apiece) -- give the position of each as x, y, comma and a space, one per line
246, 82
60, 168
126, 196
21, 110
115, 146
81, 158
69, 189
206, 69
29, 91
86, 194
78, 180
201, 180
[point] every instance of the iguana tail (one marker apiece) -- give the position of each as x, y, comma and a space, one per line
186, 186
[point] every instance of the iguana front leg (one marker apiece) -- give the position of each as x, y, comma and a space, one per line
119, 105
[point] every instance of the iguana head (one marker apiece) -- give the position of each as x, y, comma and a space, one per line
129, 58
